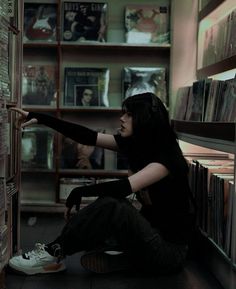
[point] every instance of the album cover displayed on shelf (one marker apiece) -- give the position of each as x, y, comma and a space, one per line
147, 24
78, 156
137, 80
39, 85
37, 148
84, 21
86, 86
40, 22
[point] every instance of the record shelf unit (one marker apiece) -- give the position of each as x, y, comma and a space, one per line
220, 136
10, 96
114, 54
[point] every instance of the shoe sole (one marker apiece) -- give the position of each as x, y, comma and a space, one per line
100, 262
52, 268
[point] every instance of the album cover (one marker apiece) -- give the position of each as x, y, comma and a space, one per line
181, 103
40, 22
37, 148
39, 85
78, 156
84, 21
227, 106
86, 86
147, 24
197, 101
137, 80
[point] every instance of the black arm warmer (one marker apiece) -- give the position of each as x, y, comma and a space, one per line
117, 189
72, 130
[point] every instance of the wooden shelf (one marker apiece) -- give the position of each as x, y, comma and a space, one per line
214, 130
98, 46
221, 66
114, 46
42, 207
39, 108
103, 48
211, 6
38, 171
42, 45
90, 109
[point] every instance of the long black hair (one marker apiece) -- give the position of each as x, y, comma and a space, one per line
150, 119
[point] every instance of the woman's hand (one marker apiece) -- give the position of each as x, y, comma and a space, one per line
67, 214
74, 199
21, 121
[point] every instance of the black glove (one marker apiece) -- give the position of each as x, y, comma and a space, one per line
72, 130
117, 189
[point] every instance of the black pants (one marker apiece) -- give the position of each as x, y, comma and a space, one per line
108, 217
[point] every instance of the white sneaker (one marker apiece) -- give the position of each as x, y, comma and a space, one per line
36, 261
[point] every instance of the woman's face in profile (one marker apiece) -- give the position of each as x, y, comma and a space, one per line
126, 124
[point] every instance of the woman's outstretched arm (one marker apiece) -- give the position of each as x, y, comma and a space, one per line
78, 133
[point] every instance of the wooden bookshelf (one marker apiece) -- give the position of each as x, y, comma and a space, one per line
211, 6
212, 130
114, 54
216, 136
219, 67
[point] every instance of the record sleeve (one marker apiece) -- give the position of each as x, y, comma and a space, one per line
147, 24
40, 22
84, 21
145, 79
86, 86
39, 85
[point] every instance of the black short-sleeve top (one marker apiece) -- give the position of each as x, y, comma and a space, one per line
170, 208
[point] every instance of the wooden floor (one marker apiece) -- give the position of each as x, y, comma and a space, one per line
45, 227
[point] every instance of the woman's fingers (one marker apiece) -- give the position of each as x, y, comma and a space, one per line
67, 214
20, 111
20, 122
27, 123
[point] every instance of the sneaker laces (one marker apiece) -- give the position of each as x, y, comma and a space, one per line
37, 252
57, 252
